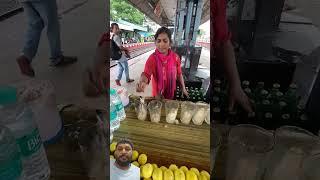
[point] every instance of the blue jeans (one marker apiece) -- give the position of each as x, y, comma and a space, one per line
40, 14
123, 66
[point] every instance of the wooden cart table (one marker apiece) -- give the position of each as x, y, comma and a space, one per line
166, 144
65, 160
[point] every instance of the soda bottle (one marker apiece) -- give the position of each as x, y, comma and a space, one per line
245, 84
217, 115
291, 99
248, 92
217, 83
268, 121
10, 157
263, 95
275, 88
258, 89
252, 119
232, 119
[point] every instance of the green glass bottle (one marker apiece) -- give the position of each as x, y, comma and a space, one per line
263, 95
216, 101
252, 119
268, 121
177, 97
285, 120
217, 115
217, 83
232, 118
304, 122
262, 108
245, 84
248, 92
202, 91
291, 99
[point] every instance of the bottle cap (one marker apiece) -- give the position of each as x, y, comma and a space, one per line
8, 95
268, 115
293, 86
266, 102
285, 116
276, 85
260, 83
246, 83
264, 92
216, 110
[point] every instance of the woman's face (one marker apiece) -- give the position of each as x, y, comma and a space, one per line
163, 43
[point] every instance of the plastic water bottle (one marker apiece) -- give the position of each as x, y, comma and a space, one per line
10, 159
19, 119
120, 109
114, 118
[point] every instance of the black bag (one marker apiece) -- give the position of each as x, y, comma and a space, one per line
115, 50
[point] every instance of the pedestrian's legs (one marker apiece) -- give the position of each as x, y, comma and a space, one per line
126, 70
49, 13
33, 34
121, 68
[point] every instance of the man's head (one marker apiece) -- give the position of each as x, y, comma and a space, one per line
123, 152
115, 28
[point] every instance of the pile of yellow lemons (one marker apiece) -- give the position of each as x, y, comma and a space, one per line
150, 171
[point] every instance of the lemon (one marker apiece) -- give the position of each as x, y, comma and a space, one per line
191, 175
135, 155
142, 159
195, 170
147, 170
147, 179
155, 166
179, 175
113, 147
141, 171
202, 177
163, 168
157, 174
111, 157
184, 169
173, 167
135, 163
205, 173
168, 175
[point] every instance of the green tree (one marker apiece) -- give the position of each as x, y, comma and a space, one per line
121, 9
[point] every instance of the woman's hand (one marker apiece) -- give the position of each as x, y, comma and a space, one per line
141, 86
237, 95
185, 92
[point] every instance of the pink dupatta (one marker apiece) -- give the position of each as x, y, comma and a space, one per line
166, 70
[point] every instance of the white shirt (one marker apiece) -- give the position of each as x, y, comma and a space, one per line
117, 40
133, 173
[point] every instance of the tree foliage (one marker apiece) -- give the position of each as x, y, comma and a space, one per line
121, 9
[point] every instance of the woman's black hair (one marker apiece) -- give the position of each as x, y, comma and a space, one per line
113, 24
163, 30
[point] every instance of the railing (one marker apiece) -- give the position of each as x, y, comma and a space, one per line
203, 44
136, 49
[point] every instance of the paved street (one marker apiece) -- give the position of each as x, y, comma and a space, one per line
82, 23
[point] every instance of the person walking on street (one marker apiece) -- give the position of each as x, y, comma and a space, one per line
123, 61
41, 13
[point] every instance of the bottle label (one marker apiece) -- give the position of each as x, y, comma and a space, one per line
113, 115
11, 170
119, 106
31, 143
115, 124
